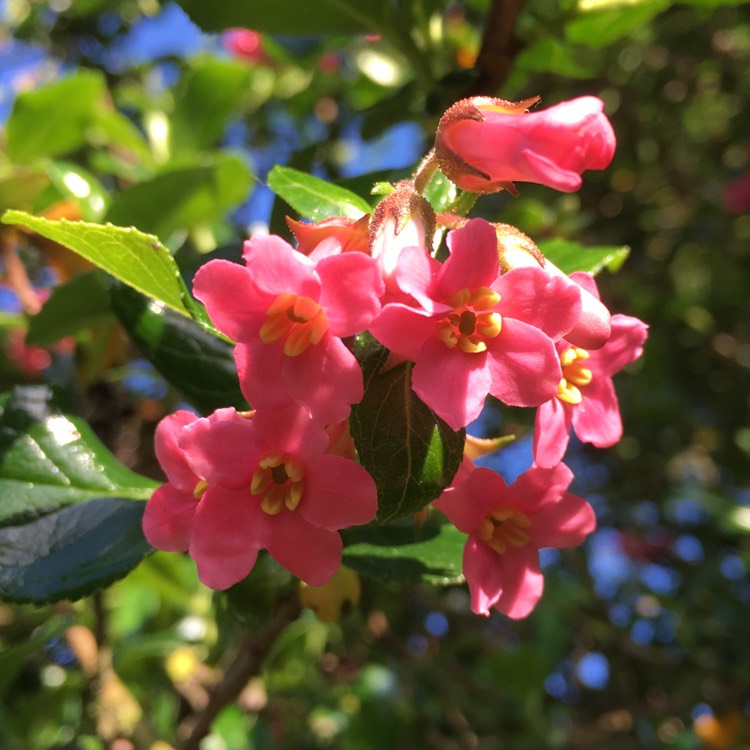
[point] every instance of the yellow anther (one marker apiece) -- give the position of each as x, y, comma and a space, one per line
297, 341
271, 461
471, 344
281, 304
275, 328
568, 393
460, 298
446, 334
294, 495
200, 488
578, 374
503, 528
489, 324
260, 481
273, 500
483, 299
294, 469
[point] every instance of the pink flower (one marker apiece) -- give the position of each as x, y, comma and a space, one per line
477, 332
507, 525
484, 145
288, 314
238, 485
586, 398
245, 44
337, 234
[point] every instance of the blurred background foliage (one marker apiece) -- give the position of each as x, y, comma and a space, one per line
168, 117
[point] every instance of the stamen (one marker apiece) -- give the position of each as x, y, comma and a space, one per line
279, 480
470, 324
504, 527
200, 488
575, 375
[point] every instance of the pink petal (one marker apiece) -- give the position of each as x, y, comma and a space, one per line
403, 329
229, 530
473, 261
596, 419
259, 366
170, 455
223, 452
586, 281
275, 266
326, 378
338, 493
452, 383
538, 487
233, 302
539, 168
524, 582
415, 274
168, 518
292, 430
564, 523
308, 552
467, 503
484, 572
549, 302
624, 346
524, 365
351, 291
551, 432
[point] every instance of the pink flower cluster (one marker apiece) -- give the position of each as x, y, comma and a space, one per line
493, 319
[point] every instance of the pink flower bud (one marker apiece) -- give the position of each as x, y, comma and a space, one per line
485, 145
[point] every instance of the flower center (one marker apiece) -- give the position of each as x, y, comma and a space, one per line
575, 375
472, 321
279, 482
300, 321
503, 528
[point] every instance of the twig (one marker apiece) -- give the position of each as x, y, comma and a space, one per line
252, 651
499, 47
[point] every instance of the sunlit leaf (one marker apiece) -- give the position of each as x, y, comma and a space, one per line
50, 458
314, 198
135, 258
570, 256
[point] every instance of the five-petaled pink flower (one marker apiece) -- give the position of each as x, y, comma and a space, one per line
288, 314
485, 145
586, 398
477, 332
507, 525
240, 484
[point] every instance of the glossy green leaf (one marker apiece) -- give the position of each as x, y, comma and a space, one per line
602, 26
137, 259
314, 198
288, 16
74, 182
53, 119
200, 365
411, 453
79, 303
440, 192
397, 553
570, 256
183, 198
207, 98
72, 552
50, 458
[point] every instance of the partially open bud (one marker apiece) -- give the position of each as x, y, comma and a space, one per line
516, 250
485, 145
402, 219
340, 234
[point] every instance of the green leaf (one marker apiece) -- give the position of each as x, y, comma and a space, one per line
183, 198
20, 186
133, 257
205, 101
570, 256
609, 21
410, 452
314, 198
72, 552
113, 128
53, 120
194, 361
81, 302
288, 16
74, 182
50, 458
396, 553
440, 192
551, 55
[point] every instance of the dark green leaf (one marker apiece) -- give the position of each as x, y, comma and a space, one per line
570, 256
204, 103
397, 553
551, 55
138, 259
81, 302
78, 184
53, 120
183, 198
598, 28
411, 454
288, 16
50, 458
72, 552
314, 198
197, 363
